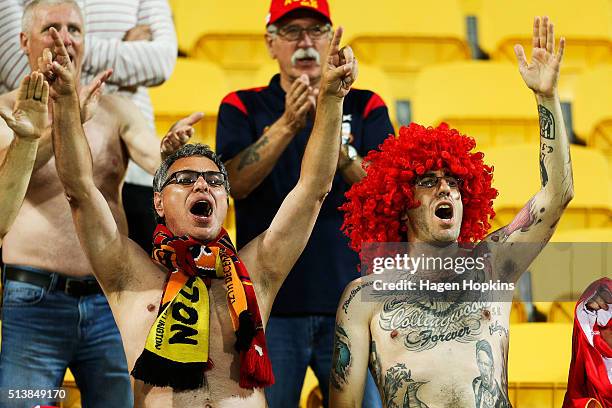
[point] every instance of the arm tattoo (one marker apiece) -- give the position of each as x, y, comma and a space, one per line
545, 149
375, 366
251, 154
341, 359
354, 291
399, 379
547, 123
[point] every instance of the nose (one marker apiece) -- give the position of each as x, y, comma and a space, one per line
305, 41
200, 184
443, 188
66, 37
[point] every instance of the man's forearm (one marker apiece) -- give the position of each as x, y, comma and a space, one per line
555, 161
321, 155
15, 172
73, 157
252, 165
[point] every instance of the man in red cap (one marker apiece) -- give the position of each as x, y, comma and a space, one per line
261, 137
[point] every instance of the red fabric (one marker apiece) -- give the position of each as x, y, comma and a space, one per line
234, 100
374, 102
588, 378
255, 365
278, 8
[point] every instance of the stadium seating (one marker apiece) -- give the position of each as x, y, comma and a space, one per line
402, 37
538, 363
228, 33
485, 100
517, 177
586, 29
194, 86
592, 111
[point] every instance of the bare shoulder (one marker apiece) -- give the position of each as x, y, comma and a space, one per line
357, 300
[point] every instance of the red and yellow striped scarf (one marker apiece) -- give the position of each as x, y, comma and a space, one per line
176, 350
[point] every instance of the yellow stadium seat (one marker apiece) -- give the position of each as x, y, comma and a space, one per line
591, 108
402, 37
228, 33
73, 396
538, 363
485, 100
586, 29
517, 177
194, 86
311, 396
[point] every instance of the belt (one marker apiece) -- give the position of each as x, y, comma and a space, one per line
69, 286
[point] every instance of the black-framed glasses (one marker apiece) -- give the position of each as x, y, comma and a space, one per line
189, 177
431, 181
295, 32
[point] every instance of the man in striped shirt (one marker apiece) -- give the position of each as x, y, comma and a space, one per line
54, 314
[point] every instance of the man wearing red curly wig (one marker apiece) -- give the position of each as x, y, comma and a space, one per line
429, 188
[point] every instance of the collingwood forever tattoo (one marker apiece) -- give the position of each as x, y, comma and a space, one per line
341, 359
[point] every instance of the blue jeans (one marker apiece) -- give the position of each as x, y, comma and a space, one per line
294, 344
43, 332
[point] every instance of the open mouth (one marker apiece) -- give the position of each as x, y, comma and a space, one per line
444, 211
201, 209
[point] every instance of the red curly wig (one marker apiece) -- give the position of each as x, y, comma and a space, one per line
376, 204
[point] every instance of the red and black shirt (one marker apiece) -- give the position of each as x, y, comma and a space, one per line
327, 264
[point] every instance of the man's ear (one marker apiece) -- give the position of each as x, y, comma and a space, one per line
157, 203
269, 38
23, 42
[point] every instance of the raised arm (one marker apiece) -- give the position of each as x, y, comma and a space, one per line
275, 251
352, 347
137, 63
28, 120
537, 221
117, 262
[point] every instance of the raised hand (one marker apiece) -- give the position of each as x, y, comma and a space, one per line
63, 81
542, 73
179, 134
29, 118
340, 69
89, 95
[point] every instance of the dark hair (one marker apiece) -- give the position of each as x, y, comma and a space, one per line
483, 345
187, 150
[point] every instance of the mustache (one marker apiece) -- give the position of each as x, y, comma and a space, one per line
306, 53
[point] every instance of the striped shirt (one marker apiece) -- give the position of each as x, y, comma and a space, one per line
136, 64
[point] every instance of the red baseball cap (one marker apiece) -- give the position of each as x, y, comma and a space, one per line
279, 8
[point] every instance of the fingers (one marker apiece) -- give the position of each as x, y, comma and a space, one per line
61, 54
298, 88
104, 76
193, 118
335, 42
22, 93
536, 32
550, 38
7, 116
44, 97
520, 56
542, 32
60, 71
561, 49
39, 87
32, 85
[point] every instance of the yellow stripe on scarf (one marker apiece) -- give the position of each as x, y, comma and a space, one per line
181, 331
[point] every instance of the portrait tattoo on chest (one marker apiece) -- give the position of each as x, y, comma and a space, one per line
487, 391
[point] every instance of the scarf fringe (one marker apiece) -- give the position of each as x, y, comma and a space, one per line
179, 376
255, 367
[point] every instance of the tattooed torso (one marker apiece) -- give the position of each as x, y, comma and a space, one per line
439, 350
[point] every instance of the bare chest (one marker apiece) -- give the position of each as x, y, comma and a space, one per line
221, 387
